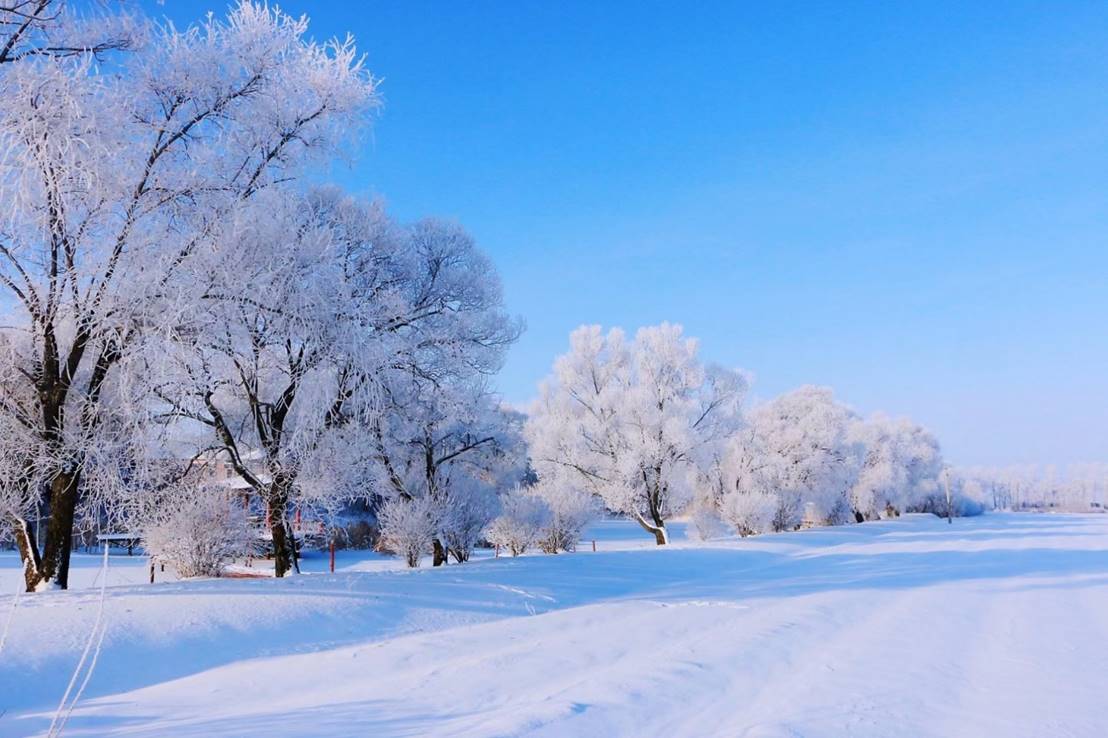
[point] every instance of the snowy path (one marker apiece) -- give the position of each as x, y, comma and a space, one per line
993, 626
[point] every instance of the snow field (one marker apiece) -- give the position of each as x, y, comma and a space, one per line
992, 626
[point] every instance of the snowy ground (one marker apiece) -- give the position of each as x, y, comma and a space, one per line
995, 626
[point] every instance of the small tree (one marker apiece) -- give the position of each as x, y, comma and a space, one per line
408, 527
749, 512
521, 521
634, 423
196, 531
462, 523
570, 511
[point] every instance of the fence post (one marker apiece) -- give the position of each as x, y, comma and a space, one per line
151, 569
594, 546
332, 555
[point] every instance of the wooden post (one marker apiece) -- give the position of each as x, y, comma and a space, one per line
949, 502
332, 555
594, 546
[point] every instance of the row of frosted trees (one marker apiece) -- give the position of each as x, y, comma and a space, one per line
176, 296
645, 426
1079, 487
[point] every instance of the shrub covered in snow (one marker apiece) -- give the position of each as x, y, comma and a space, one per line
523, 517
408, 527
196, 532
464, 520
570, 511
749, 513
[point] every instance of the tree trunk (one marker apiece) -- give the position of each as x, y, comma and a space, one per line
658, 530
438, 554
28, 553
276, 507
53, 566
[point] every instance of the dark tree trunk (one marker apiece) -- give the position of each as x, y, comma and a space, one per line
277, 504
28, 553
59, 529
658, 529
438, 556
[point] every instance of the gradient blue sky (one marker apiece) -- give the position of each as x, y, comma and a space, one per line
904, 201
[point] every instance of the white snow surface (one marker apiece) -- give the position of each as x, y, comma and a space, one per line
992, 626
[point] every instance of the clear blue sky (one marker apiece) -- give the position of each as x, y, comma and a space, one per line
905, 201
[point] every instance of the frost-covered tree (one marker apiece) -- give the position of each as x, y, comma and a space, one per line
571, 510
749, 510
633, 423
112, 182
901, 466
463, 514
801, 449
278, 365
195, 530
437, 432
522, 519
408, 527
452, 445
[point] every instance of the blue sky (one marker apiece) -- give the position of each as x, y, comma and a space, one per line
905, 201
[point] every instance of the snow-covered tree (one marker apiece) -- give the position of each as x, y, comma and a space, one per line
522, 519
407, 527
901, 466
440, 434
633, 423
112, 182
801, 449
749, 512
453, 445
195, 530
278, 365
571, 510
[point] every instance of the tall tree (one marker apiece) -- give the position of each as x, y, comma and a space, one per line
320, 316
901, 466
633, 423
801, 448
113, 181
